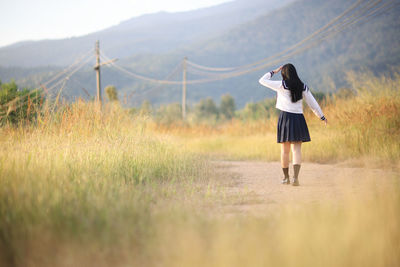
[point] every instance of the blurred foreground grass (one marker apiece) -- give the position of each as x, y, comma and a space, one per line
86, 177
358, 232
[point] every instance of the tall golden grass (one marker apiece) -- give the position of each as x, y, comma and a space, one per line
84, 175
364, 129
89, 188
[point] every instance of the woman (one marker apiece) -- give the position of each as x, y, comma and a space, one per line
292, 127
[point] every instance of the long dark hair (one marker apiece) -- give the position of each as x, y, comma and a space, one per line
292, 82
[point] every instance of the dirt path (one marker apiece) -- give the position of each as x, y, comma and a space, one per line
257, 184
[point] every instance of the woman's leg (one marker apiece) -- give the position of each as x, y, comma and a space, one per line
285, 151
296, 151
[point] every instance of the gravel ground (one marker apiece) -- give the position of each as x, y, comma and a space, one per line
257, 188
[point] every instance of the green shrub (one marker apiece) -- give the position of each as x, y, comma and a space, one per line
18, 105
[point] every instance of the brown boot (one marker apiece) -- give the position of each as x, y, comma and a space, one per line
286, 180
296, 169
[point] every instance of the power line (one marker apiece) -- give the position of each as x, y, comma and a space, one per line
141, 77
168, 77
209, 68
320, 31
160, 86
20, 101
299, 50
202, 72
82, 64
359, 11
78, 61
324, 33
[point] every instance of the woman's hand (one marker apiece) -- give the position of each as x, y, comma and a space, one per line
278, 69
326, 122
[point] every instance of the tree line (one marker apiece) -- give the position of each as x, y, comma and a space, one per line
23, 105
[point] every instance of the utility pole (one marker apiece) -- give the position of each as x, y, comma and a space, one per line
97, 69
184, 90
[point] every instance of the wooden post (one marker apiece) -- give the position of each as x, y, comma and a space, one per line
97, 68
184, 90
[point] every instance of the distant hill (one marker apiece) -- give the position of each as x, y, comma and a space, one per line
152, 33
373, 45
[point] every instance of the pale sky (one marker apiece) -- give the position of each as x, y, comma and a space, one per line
52, 19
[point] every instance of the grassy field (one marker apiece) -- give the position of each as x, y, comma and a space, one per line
363, 129
86, 177
84, 188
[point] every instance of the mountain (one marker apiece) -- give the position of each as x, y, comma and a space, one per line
372, 45
152, 33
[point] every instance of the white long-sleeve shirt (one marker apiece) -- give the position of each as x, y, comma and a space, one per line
284, 99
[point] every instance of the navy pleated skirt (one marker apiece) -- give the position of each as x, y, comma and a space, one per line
292, 127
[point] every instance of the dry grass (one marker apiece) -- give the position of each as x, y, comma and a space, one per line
363, 129
85, 176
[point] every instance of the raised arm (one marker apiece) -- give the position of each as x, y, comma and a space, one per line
266, 81
312, 103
